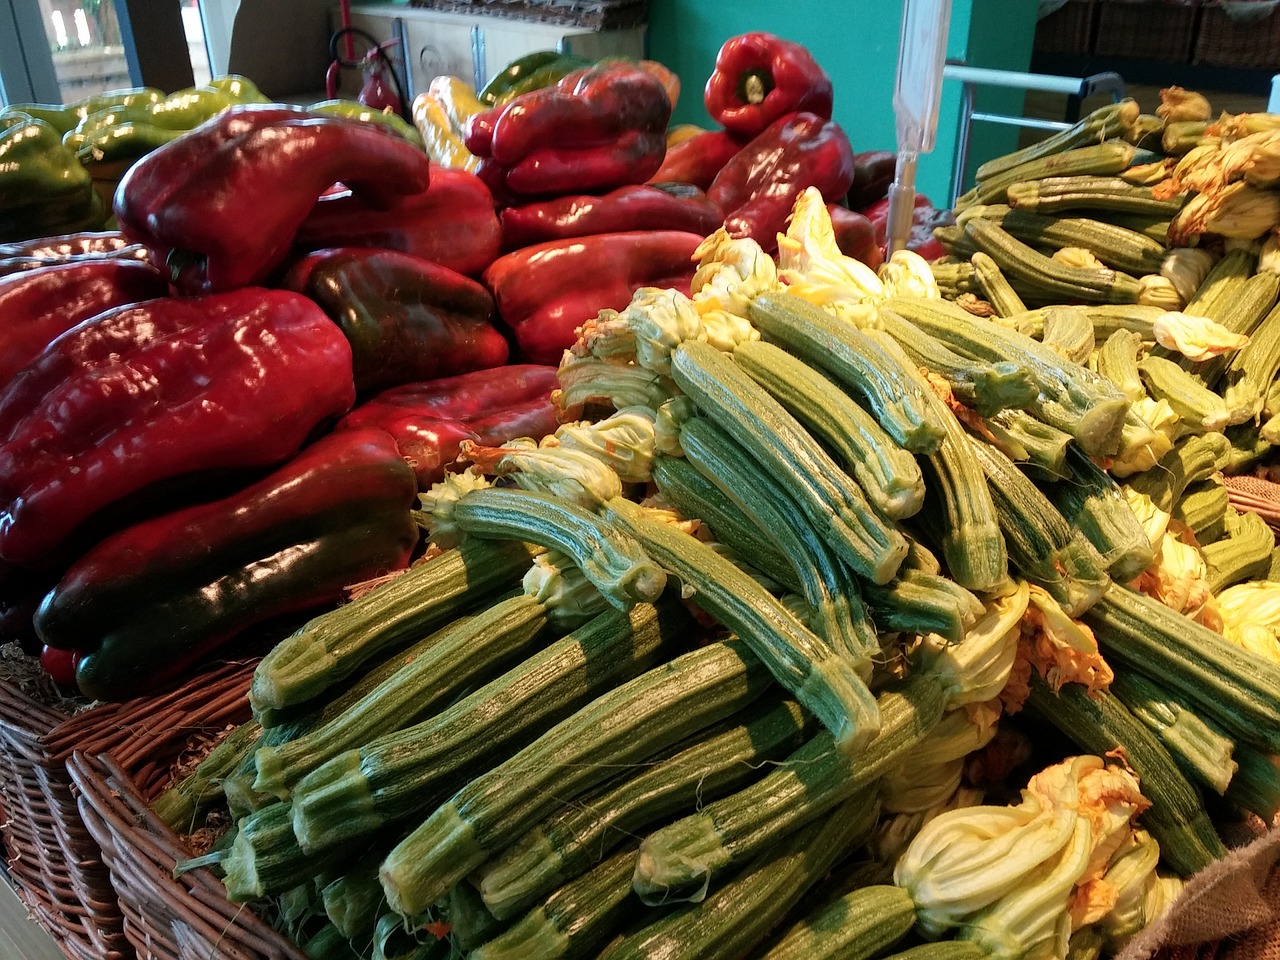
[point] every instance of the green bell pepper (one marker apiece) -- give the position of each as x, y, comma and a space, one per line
63, 117
43, 187
359, 111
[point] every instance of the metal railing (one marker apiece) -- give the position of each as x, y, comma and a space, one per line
1076, 90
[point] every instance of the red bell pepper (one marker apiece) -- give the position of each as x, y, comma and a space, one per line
698, 159
856, 235
452, 223
37, 305
156, 391
633, 207
68, 248
759, 186
406, 318
60, 665
463, 397
545, 292
596, 129
925, 216
873, 171
429, 421
220, 209
153, 598
760, 78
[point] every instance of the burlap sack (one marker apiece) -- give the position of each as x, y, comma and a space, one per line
1230, 911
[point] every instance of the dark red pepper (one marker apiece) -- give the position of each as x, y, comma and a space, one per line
856, 235
596, 129
760, 78
759, 186
37, 305
872, 173
633, 207
925, 216
60, 665
220, 210
430, 420
159, 390
406, 318
698, 159
150, 600
68, 248
545, 292
452, 223
464, 397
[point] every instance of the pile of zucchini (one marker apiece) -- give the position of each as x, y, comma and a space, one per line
658, 688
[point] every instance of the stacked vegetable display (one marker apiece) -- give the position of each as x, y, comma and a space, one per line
895, 513
712, 651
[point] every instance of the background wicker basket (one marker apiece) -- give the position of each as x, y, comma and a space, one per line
1069, 29
168, 918
1222, 41
1150, 31
591, 14
54, 860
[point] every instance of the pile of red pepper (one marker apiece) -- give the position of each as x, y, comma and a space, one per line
228, 414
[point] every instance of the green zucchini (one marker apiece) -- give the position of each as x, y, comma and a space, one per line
919, 602
1201, 750
987, 387
1069, 333
1094, 503
1227, 684
845, 352
569, 842
860, 925
837, 613
1256, 784
331, 647
1109, 120
616, 565
832, 501
184, 803
625, 725
972, 545
1192, 459
942, 950
575, 920
739, 914
695, 497
1244, 554
823, 681
888, 474
461, 656
1072, 398
470, 922
1023, 438
1099, 724
1118, 362
1035, 275
1204, 507
995, 286
394, 776
680, 860
1200, 409
1042, 545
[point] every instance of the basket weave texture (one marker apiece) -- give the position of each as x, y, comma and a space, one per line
1069, 29
1222, 41
54, 862
168, 918
1150, 31
590, 14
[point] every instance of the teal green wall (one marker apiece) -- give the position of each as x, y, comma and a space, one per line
856, 41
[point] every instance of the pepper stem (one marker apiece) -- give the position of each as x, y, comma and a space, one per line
754, 86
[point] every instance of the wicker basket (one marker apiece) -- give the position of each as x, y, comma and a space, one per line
54, 860
589, 14
1069, 29
1147, 31
168, 918
1223, 42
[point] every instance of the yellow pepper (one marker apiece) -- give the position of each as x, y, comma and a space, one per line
440, 113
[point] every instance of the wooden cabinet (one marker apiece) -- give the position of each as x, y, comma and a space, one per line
476, 47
